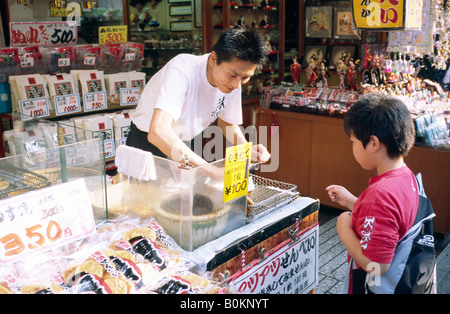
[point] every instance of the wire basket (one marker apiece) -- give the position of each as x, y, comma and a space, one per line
268, 195
14, 180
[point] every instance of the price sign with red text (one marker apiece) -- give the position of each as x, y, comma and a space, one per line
129, 96
44, 219
67, 104
237, 162
43, 33
34, 108
112, 34
94, 101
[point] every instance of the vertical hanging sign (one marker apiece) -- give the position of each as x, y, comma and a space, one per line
387, 14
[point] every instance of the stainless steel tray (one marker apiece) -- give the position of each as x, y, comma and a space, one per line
268, 195
20, 180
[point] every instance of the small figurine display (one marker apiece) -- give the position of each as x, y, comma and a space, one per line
352, 74
263, 22
341, 69
295, 70
323, 73
241, 21
311, 72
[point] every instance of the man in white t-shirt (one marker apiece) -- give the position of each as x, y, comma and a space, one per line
190, 92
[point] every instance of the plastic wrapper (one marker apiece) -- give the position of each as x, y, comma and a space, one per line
125, 256
30, 60
60, 59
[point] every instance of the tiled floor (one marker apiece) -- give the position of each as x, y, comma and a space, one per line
332, 260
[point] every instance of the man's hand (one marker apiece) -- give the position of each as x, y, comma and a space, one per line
260, 154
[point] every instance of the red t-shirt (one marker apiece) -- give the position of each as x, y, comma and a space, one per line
384, 212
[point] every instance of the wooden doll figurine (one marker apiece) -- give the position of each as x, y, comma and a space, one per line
311, 74
341, 69
295, 70
323, 73
352, 74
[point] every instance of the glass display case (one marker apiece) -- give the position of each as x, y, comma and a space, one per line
187, 202
45, 153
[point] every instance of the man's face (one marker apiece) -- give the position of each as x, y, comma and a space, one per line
229, 76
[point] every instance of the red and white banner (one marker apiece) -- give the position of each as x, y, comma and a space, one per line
291, 268
43, 33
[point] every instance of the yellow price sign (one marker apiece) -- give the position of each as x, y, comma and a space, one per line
112, 34
237, 162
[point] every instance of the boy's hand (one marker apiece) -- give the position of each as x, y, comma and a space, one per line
341, 195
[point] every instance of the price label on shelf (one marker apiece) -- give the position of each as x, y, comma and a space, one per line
129, 96
45, 218
78, 155
94, 101
112, 34
34, 108
67, 104
237, 162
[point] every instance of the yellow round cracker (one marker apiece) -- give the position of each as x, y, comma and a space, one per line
4, 288
91, 267
120, 253
145, 232
4, 185
17, 192
197, 282
31, 289
117, 285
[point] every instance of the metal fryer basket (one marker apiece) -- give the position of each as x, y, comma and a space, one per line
268, 195
20, 179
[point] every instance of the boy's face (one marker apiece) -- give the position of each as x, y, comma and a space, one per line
228, 76
363, 155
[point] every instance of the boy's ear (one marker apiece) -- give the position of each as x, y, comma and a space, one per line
374, 143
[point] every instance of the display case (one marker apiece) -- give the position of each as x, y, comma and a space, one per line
166, 28
265, 17
41, 162
187, 202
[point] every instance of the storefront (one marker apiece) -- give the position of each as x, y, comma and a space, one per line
72, 73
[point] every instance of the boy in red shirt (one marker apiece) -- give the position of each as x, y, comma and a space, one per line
382, 132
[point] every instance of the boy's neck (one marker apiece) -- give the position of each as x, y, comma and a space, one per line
389, 164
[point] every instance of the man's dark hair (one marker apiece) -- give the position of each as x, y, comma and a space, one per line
242, 43
384, 116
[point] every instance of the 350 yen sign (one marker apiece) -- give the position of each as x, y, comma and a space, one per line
45, 218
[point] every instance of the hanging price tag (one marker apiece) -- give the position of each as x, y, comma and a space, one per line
237, 163
94, 101
129, 96
67, 104
43, 219
33, 108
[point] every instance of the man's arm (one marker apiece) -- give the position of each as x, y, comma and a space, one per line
233, 133
162, 136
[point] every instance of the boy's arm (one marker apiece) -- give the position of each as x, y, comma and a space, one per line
353, 246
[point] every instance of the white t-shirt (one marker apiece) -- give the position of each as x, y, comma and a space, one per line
182, 90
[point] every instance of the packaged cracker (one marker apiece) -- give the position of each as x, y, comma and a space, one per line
114, 83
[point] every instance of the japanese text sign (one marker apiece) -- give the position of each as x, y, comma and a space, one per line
237, 162
112, 34
44, 219
387, 14
43, 33
291, 268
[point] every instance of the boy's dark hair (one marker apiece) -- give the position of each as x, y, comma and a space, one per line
242, 43
384, 116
